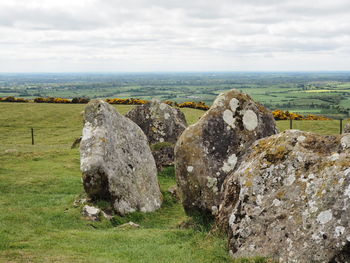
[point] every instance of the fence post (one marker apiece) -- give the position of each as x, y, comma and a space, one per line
341, 126
290, 123
32, 135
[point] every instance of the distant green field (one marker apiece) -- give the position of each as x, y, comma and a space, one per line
38, 184
321, 93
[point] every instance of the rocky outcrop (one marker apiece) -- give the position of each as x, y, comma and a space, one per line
209, 150
159, 121
289, 199
116, 161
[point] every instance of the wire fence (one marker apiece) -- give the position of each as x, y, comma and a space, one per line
60, 135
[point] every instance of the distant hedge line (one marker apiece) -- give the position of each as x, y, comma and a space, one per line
191, 104
278, 114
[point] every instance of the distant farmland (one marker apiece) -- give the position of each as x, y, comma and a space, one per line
315, 93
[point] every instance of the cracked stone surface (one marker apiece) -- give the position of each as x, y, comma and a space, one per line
289, 199
209, 150
159, 121
116, 161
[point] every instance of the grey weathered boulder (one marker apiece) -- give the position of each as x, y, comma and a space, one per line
347, 128
159, 121
116, 161
163, 155
290, 199
209, 150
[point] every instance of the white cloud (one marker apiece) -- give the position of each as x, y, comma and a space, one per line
159, 35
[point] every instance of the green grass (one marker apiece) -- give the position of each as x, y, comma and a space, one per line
39, 183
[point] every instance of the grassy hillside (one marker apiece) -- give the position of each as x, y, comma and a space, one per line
38, 185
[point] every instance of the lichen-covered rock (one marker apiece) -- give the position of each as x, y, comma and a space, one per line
209, 150
116, 161
163, 155
290, 199
347, 128
159, 121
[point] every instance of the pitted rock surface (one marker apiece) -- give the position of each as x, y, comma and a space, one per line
164, 156
159, 121
290, 199
116, 161
209, 150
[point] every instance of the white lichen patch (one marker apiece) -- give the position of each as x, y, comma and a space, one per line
312, 206
211, 182
250, 120
339, 230
228, 118
324, 217
220, 100
276, 202
347, 191
347, 171
166, 116
234, 104
190, 169
345, 142
230, 164
162, 106
301, 138
259, 199
214, 210
232, 219
161, 140
334, 157
289, 180
87, 131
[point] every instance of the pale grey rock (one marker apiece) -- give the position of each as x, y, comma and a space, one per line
91, 212
106, 216
211, 149
116, 161
159, 121
129, 225
289, 199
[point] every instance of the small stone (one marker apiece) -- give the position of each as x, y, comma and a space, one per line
91, 212
129, 225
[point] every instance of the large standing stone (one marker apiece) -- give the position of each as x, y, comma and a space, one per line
116, 161
209, 150
159, 121
290, 199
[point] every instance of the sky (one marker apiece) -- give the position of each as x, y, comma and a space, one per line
174, 35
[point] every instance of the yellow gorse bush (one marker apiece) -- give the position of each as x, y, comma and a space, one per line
286, 115
13, 99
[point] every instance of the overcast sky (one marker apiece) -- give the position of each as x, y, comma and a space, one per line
174, 35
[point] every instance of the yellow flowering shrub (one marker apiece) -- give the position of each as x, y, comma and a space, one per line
286, 115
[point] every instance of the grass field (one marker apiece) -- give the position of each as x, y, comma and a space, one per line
39, 183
